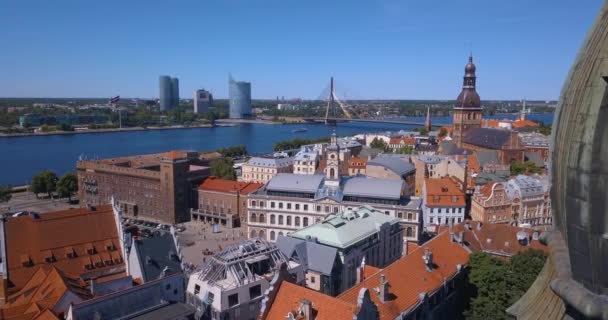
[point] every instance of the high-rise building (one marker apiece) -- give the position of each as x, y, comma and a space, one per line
174, 92
203, 100
165, 92
240, 99
467, 110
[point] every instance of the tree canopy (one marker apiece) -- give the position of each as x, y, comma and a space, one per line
44, 182
443, 132
296, 143
379, 144
497, 284
223, 168
235, 151
405, 150
67, 185
527, 167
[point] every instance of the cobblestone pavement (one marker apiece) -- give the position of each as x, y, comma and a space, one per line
199, 237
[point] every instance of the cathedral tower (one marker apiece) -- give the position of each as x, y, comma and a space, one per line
467, 110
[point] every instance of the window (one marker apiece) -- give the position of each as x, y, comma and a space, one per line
305, 222
280, 205
335, 209
409, 216
400, 215
262, 204
318, 208
313, 279
297, 206
255, 291
431, 220
233, 300
197, 289
281, 233
409, 232
272, 204
297, 221
272, 235
262, 218
253, 217
327, 209
288, 220
273, 219
305, 207
253, 203
289, 206
281, 219
386, 213
168, 286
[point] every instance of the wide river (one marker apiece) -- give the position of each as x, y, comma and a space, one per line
22, 157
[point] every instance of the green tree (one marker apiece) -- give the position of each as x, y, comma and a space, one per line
5, 194
378, 144
44, 182
223, 168
67, 185
66, 127
527, 167
497, 284
443, 132
405, 150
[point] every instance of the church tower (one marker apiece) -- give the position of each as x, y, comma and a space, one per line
427, 122
332, 170
467, 110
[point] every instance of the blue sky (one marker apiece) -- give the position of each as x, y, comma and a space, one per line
408, 49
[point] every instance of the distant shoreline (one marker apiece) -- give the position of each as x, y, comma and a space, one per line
17, 135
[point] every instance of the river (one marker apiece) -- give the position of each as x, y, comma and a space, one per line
22, 157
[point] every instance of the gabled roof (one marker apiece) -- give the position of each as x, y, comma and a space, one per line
223, 185
394, 164
355, 162
290, 182
289, 297
270, 162
487, 157
487, 137
443, 192
408, 276
34, 238
155, 254
373, 187
315, 256
403, 140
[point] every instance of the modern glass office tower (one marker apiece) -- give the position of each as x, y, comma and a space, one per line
240, 98
175, 92
165, 92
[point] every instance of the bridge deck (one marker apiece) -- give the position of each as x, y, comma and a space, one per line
404, 122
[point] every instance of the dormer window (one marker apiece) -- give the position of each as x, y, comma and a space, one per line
90, 249
48, 256
26, 261
70, 253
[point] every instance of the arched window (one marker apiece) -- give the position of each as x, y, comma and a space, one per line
332, 172
288, 220
280, 233
272, 236
409, 232
253, 203
262, 218
297, 221
273, 219
305, 222
253, 218
281, 219
262, 234
253, 234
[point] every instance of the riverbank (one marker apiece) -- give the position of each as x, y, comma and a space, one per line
15, 135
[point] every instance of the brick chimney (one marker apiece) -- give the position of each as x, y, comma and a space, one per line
306, 309
360, 271
383, 289
428, 259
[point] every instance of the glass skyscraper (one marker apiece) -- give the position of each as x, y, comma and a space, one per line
175, 92
240, 98
165, 92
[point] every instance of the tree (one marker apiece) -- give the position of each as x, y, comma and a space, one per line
223, 169
67, 186
423, 131
66, 127
405, 150
378, 144
496, 284
5, 194
443, 132
528, 167
44, 182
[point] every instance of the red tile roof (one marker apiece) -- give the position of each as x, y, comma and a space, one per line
498, 239
524, 123
443, 192
410, 141
32, 239
408, 276
357, 163
176, 154
290, 295
223, 185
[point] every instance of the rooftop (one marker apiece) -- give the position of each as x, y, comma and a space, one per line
397, 165
346, 229
373, 187
223, 185
295, 182
443, 192
270, 162
487, 137
69, 240
155, 254
526, 186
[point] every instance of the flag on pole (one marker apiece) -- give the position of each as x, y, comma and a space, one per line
115, 99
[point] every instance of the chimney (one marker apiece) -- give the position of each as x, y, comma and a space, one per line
461, 237
383, 289
479, 225
428, 259
535, 235
467, 225
522, 238
452, 237
306, 309
93, 286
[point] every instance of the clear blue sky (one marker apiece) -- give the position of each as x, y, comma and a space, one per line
409, 49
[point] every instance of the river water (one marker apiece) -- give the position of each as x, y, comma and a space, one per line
22, 157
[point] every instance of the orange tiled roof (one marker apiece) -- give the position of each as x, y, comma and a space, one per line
176, 154
473, 163
486, 190
357, 163
223, 185
443, 192
490, 123
288, 300
411, 246
500, 239
46, 315
405, 140
369, 271
408, 276
31, 240
524, 123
